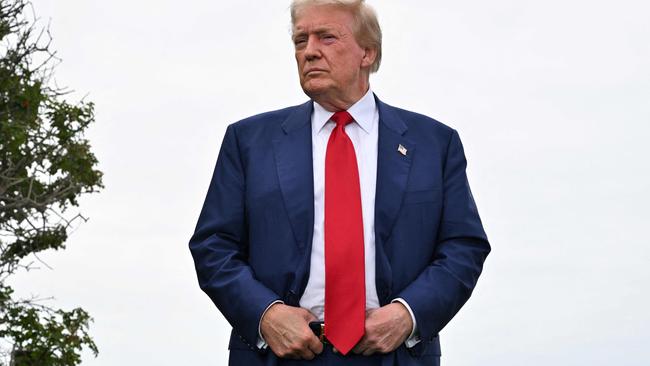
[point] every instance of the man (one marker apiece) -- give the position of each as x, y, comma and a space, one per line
341, 231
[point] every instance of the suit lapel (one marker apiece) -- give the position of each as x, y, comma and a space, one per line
293, 158
393, 168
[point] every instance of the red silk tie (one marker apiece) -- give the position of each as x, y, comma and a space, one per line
345, 290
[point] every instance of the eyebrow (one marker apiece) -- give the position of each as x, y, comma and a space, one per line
317, 31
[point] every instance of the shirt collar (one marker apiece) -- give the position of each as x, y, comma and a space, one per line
362, 111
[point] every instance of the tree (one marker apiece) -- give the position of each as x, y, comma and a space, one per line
45, 165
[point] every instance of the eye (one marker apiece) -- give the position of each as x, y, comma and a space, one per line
328, 38
299, 42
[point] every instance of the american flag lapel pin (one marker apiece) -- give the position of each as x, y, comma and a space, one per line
402, 150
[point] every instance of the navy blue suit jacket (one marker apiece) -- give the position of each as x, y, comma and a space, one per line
252, 242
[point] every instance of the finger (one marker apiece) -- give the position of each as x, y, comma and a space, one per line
304, 352
361, 346
290, 356
307, 354
368, 348
315, 345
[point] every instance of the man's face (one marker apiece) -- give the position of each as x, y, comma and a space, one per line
331, 64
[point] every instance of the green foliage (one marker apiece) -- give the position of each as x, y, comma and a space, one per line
46, 337
45, 165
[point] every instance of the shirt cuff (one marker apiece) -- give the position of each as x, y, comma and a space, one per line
414, 337
261, 343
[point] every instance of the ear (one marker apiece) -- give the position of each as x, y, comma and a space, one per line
369, 56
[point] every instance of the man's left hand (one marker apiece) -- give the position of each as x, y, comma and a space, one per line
386, 328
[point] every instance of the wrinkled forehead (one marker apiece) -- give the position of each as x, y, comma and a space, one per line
319, 29
322, 18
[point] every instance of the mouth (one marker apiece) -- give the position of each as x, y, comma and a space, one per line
312, 71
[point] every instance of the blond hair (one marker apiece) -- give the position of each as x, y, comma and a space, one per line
367, 31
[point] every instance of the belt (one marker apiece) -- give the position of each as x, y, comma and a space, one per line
319, 330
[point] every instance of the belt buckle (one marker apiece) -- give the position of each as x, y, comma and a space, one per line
321, 337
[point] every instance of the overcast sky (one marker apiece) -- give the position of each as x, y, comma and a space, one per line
552, 102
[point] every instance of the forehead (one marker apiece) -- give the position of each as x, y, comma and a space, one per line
322, 17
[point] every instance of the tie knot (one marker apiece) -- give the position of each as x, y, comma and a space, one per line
342, 118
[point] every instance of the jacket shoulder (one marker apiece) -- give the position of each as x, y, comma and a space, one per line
420, 121
265, 119
420, 127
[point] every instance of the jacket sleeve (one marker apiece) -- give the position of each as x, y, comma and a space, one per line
219, 246
442, 288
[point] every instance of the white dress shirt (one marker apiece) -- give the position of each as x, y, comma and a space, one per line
364, 133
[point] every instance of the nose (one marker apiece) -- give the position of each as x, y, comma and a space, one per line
312, 48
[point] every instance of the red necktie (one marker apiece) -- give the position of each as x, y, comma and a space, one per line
345, 290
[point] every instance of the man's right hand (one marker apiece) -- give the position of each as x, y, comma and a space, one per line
286, 330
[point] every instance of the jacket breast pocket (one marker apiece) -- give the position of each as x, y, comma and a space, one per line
423, 196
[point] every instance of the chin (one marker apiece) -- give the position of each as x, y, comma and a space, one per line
315, 87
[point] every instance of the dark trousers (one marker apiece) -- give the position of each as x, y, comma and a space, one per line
241, 357
329, 358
